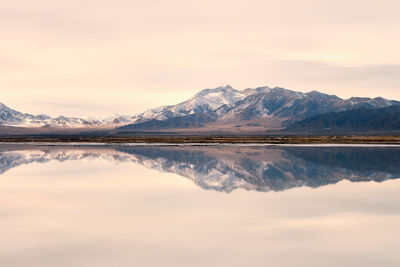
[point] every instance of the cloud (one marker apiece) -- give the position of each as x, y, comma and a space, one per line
386, 75
125, 54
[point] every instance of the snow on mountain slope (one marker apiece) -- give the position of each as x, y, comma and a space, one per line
13, 117
10, 117
267, 107
262, 103
294, 106
270, 107
206, 101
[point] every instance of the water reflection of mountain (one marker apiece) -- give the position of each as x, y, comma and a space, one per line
226, 168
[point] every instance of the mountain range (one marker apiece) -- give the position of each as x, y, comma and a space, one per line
227, 110
11, 117
361, 119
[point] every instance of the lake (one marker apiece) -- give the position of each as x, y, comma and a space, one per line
216, 205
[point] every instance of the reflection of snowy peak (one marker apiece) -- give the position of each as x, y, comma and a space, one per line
214, 175
14, 158
250, 168
269, 168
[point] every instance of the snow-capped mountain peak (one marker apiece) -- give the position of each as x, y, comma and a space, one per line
205, 101
269, 108
213, 98
11, 117
266, 107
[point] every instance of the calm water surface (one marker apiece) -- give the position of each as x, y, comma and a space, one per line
199, 206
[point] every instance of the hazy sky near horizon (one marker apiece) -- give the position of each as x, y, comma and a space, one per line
102, 57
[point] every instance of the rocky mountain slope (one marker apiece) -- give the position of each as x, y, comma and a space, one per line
11, 117
224, 108
269, 108
356, 120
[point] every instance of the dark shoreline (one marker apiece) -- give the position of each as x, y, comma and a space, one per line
212, 139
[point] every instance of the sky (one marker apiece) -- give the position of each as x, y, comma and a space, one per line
98, 57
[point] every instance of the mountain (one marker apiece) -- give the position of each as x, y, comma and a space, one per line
11, 117
356, 120
222, 110
261, 108
204, 107
234, 167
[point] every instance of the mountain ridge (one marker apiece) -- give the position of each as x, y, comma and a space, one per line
222, 108
362, 119
14, 118
271, 108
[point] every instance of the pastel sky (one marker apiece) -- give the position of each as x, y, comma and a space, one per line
98, 57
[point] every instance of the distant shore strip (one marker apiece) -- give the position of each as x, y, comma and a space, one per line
393, 140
